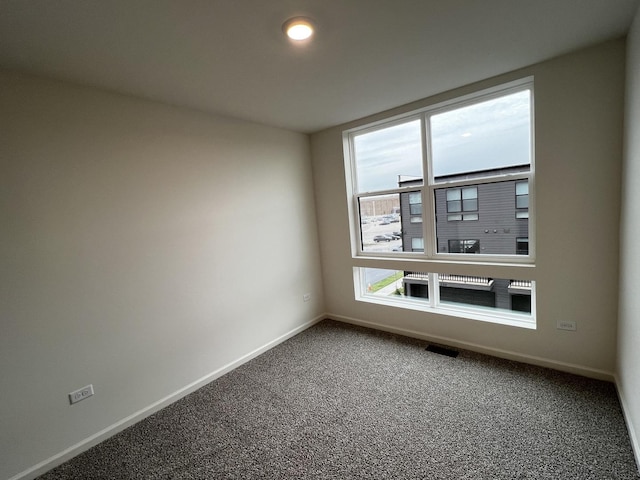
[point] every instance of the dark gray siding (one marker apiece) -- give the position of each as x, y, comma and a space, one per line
497, 226
409, 230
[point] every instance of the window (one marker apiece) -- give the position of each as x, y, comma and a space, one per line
415, 203
522, 246
481, 298
462, 200
449, 174
417, 244
464, 246
522, 200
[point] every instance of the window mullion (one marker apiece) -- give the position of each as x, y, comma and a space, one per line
434, 290
428, 210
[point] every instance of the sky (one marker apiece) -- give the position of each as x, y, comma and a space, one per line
490, 134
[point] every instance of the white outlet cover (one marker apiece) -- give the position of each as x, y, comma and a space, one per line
567, 325
81, 394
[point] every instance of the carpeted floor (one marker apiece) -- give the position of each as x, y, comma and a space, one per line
344, 402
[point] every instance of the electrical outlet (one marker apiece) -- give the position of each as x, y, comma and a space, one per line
84, 392
567, 325
306, 297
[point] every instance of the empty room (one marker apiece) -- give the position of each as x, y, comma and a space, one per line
311, 239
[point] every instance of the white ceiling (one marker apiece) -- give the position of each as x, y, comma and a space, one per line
230, 56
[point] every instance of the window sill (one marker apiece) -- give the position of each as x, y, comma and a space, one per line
499, 317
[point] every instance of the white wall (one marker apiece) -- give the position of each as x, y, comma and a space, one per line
579, 102
143, 248
628, 372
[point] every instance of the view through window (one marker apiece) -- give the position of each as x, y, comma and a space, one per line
448, 183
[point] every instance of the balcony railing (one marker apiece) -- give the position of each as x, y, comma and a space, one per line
469, 281
454, 281
423, 277
522, 287
465, 279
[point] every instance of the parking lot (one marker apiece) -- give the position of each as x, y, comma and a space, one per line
380, 226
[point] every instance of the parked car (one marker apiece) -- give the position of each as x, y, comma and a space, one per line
383, 238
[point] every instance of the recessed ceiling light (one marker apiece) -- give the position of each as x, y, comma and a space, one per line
298, 28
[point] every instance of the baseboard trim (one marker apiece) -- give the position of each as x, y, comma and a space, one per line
635, 444
87, 443
496, 352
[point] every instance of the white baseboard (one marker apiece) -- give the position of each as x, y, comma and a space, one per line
111, 430
635, 444
496, 352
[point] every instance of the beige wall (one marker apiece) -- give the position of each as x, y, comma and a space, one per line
629, 321
579, 112
143, 247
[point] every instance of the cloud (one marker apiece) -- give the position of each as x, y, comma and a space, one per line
490, 134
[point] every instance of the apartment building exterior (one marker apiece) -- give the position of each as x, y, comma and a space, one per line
483, 218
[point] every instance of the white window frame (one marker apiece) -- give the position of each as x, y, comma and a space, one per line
507, 266
428, 188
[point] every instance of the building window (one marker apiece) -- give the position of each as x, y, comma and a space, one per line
451, 171
522, 246
464, 246
522, 199
415, 203
461, 201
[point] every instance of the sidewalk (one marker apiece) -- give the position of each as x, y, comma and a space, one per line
389, 289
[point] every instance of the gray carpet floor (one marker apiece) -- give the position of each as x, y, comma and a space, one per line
344, 402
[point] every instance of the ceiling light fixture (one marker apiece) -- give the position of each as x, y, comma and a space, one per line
298, 28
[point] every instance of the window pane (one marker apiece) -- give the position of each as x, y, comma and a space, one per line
394, 284
380, 223
469, 192
522, 246
382, 156
415, 209
495, 223
522, 188
417, 244
415, 197
493, 134
469, 205
454, 206
382, 283
453, 194
486, 293
522, 201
